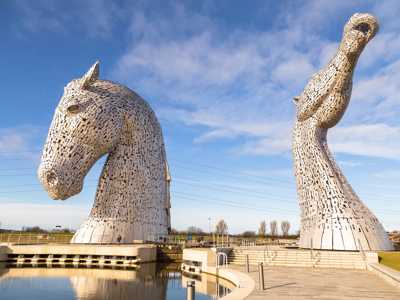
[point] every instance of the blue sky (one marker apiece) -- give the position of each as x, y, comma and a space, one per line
220, 76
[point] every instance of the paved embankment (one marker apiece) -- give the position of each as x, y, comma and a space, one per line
312, 283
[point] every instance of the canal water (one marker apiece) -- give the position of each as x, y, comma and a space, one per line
149, 281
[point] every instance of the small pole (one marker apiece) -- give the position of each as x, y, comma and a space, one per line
312, 249
191, 288
261, 276
247, 264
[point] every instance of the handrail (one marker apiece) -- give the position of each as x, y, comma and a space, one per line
362, 252
316, 258
34, 238
224, 259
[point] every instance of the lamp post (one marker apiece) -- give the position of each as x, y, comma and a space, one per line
209, 227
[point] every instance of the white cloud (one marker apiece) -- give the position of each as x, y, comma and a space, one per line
272, 173
234, 83
388, 175
215, 135
374, 140
377, 140
19, 140
385, 47
293, 71
376, 96
389, 11
11, 141
39, 16
198, 63
96, 17
351, 164
314, 15
328, 50
266, 146
242, 83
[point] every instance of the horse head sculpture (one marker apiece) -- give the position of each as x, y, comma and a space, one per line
332, 215
97, 117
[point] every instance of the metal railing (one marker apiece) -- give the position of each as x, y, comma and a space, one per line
315, 255
362, 252
34, 238
221, 256
221, 240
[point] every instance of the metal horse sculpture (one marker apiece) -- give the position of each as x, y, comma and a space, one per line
97, 117
332, 216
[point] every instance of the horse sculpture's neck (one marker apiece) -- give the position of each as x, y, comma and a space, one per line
338, 76
310, 138
132, 198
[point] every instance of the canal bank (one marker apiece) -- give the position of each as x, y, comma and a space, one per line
78, 254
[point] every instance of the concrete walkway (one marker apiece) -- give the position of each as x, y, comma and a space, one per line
308, 283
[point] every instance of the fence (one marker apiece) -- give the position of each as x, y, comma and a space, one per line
34, 238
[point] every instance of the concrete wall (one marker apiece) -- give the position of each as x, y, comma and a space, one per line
3, 253
244, 285
205, 256
146, 252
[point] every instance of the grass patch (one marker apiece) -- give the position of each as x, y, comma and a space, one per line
390, 259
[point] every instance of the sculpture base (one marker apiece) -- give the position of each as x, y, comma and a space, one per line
345, 239
111, 231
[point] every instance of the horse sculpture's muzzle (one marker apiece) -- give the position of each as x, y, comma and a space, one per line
59, 186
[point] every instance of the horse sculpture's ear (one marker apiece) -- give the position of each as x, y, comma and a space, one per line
296, 99
91, 76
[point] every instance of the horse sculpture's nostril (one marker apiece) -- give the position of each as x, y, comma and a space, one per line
51, 178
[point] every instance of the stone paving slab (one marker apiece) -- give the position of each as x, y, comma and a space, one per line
307, 283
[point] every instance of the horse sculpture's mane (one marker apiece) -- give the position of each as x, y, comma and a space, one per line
97, 117
332, 216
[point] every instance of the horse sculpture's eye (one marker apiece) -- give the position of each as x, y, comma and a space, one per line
73, 109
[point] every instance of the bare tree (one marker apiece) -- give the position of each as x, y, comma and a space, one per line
249, 233
195, 230
173, 231
285, 226
221, 227
263, 229
274, 228
35, 229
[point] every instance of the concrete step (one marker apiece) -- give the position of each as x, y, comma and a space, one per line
342, 258
298, 264
295, 254
298, 258
294, 259
299, 252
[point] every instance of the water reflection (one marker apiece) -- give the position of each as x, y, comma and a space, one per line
209, 285
149, 281
120, 284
